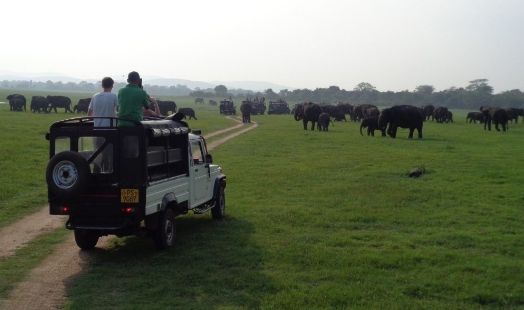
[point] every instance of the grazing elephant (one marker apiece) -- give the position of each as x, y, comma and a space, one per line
428, 111
308, 112
442, 115
371, 123
59, 102
245, 109
498, 116
405, 116
188, 112
323, 122
334, 111
346, 108
39, 104
474, 117
17, 102
82, 105
514, 113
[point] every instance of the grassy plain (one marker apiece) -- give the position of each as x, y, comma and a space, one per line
24, 150
330, 220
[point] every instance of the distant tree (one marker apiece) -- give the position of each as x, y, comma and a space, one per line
480, 86
364, 87
425, 89
221, 91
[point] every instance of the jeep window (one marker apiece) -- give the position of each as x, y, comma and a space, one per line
62, 144
196, 151
103, 162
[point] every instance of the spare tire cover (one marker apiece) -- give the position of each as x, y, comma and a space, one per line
67, 174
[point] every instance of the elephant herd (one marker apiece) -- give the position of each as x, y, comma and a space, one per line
41, 104
387, 121
390, 119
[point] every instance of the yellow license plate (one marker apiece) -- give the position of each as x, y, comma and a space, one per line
128, 195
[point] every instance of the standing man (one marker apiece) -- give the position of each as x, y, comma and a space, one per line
103, 104
133, 102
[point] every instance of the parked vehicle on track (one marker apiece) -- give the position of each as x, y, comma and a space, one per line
130, 180
227, 107
278, 107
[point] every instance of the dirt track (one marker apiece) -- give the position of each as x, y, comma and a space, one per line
45, 286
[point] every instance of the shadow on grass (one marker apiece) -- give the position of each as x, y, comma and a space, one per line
214, 264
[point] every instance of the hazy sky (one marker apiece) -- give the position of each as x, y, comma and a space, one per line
394, 45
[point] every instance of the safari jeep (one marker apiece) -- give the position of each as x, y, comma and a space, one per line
124, 181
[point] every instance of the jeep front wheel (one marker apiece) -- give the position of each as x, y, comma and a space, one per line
86, 239
165, 234
219, 210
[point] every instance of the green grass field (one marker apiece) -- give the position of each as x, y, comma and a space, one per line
330, 220
315, 220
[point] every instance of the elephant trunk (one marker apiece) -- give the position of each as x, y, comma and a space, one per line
361, 126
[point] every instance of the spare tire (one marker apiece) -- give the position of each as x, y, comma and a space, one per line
67, 174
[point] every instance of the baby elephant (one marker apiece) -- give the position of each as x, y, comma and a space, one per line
371, 123
323, 122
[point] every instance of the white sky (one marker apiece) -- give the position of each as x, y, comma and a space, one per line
394, 45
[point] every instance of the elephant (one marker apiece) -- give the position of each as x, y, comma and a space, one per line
39, 104
323, 122
474, 117
428, 111
246, 108
188, 112
17, 102
82, 105
166, 107
346, 108
442, 115
307, 112
199, 100
334, 111
498, 116
514, 113
371, 123
363, 111
405, 116
59, 102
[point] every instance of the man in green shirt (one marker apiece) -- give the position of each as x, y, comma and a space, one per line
132, 100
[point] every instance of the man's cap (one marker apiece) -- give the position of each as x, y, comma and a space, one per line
133, 76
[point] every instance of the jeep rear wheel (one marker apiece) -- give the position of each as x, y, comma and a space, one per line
86, 239
67, 174
165, 234
219, 210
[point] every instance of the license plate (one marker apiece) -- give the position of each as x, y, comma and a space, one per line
128, 195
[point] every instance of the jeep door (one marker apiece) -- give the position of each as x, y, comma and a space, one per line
199, 174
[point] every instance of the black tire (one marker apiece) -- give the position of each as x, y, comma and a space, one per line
219, 210
67, 174
86, 239
165, 234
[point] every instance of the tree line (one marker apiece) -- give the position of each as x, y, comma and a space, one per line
477, 93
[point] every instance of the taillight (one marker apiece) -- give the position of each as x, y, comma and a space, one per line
64, 209
128, 210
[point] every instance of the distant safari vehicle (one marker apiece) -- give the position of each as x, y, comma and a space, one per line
278, 107
130, 180
227, 107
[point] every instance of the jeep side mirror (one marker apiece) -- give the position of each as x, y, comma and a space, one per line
209, 159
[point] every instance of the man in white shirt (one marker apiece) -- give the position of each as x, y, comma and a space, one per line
103, 104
